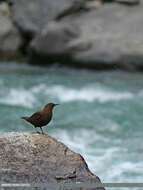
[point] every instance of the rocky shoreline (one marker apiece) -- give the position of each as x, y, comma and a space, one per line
28, 157
96, 34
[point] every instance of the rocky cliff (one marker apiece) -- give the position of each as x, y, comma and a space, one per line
38, 158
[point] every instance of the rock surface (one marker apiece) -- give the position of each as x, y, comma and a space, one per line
10, 39
31, 15
108, 37
98, 34
37, 158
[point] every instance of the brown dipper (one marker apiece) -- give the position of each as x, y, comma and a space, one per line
41, 117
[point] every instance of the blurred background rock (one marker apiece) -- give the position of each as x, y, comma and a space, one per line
99, 34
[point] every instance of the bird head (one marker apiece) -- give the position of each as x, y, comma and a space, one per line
50, 106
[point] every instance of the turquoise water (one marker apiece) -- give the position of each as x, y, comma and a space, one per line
100, 116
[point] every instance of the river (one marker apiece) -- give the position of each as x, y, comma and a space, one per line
100, 114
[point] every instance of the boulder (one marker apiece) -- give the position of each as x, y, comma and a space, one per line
108, 37
52, 42
38, 158
10, 39
31, 15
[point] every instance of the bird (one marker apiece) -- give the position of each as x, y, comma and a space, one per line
41, 117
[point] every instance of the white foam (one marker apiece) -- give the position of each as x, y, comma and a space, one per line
65, 94
88, 94
27, 97
109, 125
19, 97
117, 171
37, 89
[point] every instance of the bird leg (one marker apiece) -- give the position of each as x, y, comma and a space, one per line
37, 131
42, 130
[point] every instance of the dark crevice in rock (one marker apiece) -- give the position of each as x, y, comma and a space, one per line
27, 38
77, 8
67, 176
65, 151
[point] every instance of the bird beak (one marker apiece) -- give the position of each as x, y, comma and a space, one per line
56, 104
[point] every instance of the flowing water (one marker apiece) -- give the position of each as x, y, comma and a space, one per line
100, 116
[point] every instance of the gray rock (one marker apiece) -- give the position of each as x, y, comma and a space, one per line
31, 15
115, 34
54, 38
108, 37
10, 39
37, 158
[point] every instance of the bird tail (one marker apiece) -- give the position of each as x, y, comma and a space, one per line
26, 118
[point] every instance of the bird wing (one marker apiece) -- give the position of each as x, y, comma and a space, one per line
35, 117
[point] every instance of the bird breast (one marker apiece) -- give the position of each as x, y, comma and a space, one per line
46, 117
